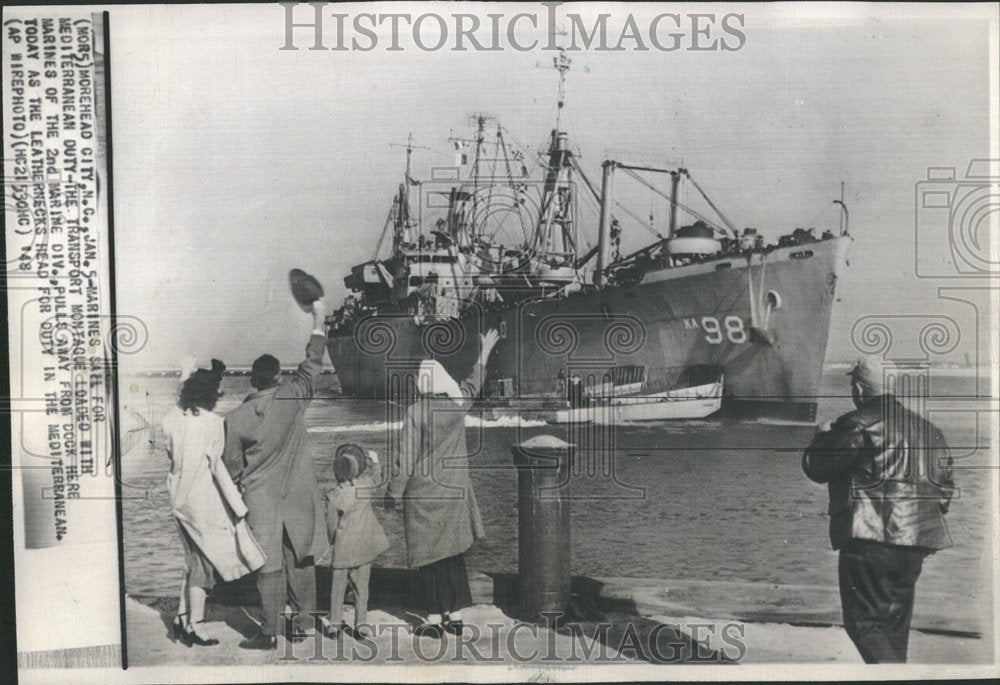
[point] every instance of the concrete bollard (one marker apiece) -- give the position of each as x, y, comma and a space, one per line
543, 525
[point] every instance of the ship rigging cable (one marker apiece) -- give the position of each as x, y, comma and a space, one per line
539, 157
685, 172
711, 204
579, 170
385, 230
641, 222
678, 203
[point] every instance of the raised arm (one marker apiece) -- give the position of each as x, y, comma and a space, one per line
371, 476
304, 378
473, 384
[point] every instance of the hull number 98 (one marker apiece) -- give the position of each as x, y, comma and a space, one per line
731, 328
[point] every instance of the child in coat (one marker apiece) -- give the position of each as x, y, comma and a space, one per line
356, 537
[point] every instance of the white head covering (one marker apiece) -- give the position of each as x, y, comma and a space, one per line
434, 379
869, 373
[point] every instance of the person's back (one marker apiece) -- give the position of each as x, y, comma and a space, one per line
267, 453
356, 535
889, 475
194, 443
207, 507
430, 478
270, 426
435, 427
888, 472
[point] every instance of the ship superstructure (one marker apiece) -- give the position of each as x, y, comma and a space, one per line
492, 244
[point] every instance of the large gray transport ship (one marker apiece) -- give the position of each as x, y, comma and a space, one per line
486, 243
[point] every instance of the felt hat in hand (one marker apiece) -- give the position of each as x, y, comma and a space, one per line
305, 288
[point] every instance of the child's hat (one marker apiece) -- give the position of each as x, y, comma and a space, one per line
348, 463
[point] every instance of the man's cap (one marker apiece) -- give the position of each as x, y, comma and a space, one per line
869, 372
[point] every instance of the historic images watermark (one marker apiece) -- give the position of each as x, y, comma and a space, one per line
329, 29
529, 643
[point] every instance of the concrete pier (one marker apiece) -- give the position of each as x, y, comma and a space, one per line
685, 618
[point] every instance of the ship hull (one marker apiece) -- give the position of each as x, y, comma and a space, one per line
761, 320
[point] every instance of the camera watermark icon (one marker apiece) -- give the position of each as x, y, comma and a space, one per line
908, 345
957, 222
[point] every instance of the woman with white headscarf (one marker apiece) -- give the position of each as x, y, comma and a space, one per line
430, 477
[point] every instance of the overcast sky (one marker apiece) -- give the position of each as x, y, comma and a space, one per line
236, 161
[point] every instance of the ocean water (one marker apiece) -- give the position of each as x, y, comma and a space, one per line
706, 499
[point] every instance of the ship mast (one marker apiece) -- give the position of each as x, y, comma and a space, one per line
556, 200
402, 204
561, 62
404, 188
480, 137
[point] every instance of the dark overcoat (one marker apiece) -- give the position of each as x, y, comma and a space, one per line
267, 453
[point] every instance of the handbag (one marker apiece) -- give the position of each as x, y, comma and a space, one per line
249, 549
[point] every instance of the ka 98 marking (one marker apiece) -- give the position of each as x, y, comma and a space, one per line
731, 329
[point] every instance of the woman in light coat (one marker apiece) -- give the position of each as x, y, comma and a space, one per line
209, 511
430, 476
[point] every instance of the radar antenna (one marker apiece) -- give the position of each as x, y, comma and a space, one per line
403, 219
561, 62
410, 147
